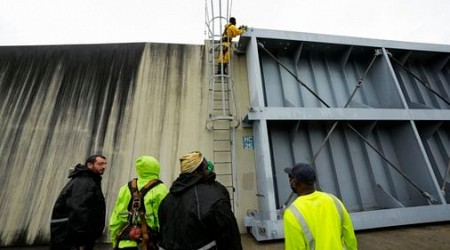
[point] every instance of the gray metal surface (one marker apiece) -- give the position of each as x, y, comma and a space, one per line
388, 155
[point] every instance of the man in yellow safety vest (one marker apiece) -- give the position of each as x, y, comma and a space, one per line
315, 220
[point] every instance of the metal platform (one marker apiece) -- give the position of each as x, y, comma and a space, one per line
373, 116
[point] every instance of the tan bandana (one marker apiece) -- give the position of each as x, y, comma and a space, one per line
190, 161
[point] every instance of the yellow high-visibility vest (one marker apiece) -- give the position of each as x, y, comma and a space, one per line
318, 221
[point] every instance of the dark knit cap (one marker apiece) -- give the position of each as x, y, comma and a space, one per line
302, 172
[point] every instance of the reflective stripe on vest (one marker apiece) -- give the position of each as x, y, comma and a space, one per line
59, 220
304, 225
338, 207
205, 247
208, 246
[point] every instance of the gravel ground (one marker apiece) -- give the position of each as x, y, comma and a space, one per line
430, 236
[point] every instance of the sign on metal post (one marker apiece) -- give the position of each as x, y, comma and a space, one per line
248, 142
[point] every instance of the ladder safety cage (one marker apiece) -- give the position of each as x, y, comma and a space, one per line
221, 101
222, 118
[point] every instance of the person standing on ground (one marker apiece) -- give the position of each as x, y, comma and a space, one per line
315, 220
229, 33
78, 216
196, 214
147, 169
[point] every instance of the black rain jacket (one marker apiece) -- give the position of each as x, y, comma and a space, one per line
196, 212
78, 216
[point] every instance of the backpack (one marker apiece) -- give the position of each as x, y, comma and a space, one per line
137, 228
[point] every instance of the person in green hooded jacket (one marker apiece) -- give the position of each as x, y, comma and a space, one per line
147, 168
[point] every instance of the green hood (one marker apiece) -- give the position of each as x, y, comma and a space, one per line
147, 168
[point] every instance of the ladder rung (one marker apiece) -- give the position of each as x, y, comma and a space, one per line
222, 151
222, 162
220, 140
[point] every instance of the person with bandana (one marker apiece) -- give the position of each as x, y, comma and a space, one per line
196, 214
315, 220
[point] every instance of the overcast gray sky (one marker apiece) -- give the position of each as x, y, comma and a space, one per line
29, 22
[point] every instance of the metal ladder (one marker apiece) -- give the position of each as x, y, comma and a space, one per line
222, 117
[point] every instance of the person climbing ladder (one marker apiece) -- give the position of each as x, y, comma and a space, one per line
229, 33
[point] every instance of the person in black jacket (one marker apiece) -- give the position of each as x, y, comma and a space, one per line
78, 216
196, 214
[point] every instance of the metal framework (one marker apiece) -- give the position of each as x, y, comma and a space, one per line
372, 116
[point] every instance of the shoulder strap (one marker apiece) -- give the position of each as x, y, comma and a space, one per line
225, 31
225, 37
151, 184
136, 194
132, 186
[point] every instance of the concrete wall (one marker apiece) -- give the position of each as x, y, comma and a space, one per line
59, 104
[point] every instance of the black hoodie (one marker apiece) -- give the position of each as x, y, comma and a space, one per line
78, 216
196, 212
